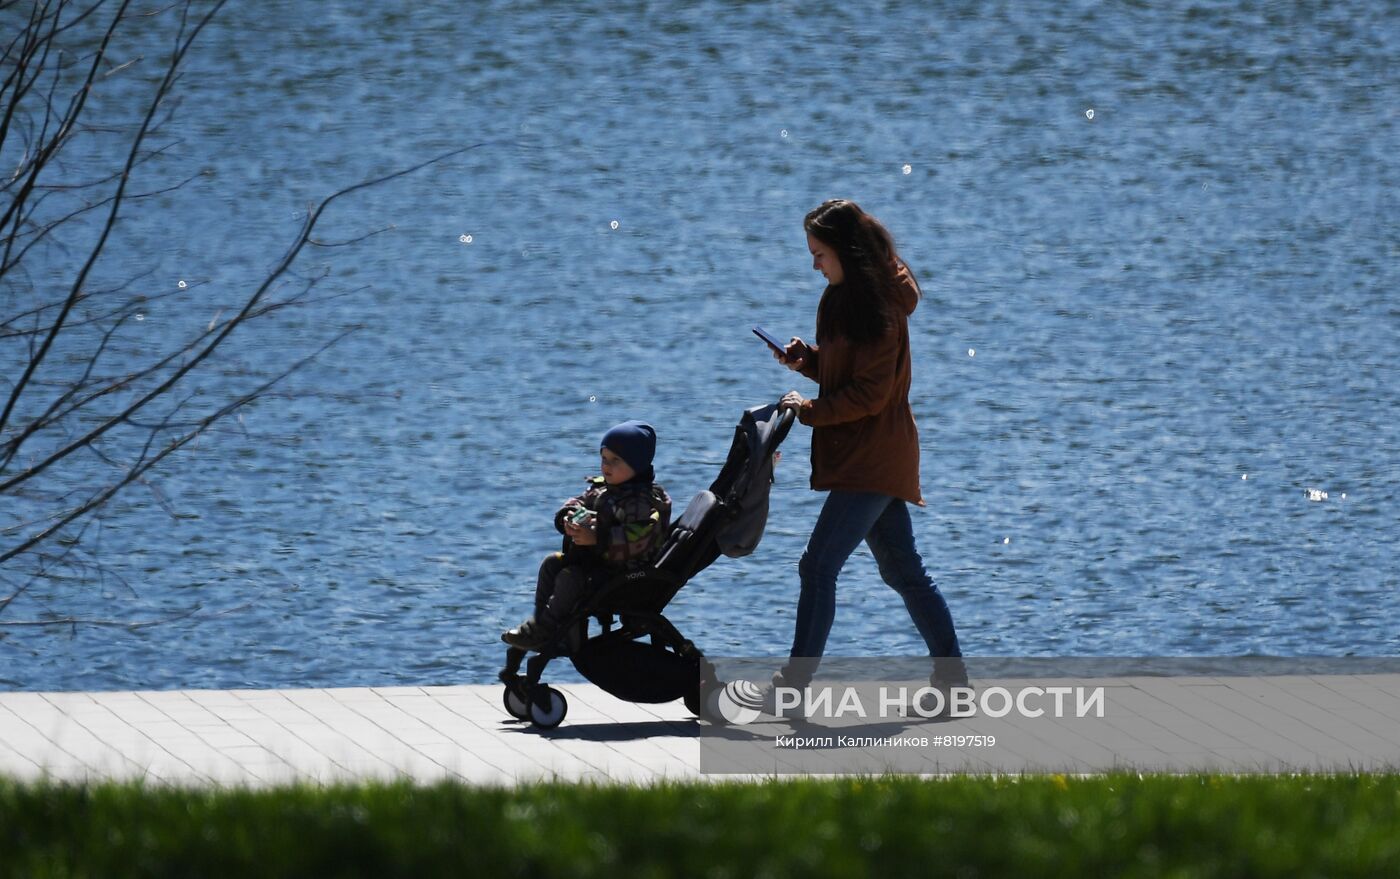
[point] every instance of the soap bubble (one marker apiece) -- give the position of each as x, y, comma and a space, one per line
1089, 113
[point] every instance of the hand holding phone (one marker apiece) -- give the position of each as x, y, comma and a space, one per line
773, 342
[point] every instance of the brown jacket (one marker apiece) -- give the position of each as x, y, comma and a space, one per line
863, 433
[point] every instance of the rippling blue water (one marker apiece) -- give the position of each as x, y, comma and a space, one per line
1159, 247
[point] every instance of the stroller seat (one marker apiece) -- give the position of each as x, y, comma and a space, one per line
727, 518
683, 552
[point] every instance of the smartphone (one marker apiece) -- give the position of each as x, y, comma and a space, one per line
772, 340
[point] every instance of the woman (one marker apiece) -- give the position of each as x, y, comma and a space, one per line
865, 447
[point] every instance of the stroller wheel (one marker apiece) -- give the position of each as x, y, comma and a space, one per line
695, 699
692, 701
547, 713
517, 706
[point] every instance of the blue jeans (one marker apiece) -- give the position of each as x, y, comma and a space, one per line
847, 518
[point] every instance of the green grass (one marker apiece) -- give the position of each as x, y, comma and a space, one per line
1198, 826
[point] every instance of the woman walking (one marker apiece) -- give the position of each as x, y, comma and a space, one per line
865, 446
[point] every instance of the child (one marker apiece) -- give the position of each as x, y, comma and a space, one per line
617, 525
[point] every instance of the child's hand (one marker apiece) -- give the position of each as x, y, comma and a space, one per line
582, 535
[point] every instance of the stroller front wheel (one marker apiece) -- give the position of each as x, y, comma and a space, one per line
517, 705
547, 709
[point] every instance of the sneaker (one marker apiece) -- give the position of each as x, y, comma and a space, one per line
529, 635
769, 698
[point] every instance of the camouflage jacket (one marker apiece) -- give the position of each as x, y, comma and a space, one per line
632, 521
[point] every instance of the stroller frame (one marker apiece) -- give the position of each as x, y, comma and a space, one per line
629, 607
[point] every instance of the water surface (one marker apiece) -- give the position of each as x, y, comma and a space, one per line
1149, 330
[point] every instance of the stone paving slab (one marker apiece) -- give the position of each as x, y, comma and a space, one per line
427, 734
264, 737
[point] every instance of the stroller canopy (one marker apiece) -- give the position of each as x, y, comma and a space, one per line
747, 477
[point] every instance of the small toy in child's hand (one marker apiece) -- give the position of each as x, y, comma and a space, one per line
582, 515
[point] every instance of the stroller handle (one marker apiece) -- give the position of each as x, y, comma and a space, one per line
785, 420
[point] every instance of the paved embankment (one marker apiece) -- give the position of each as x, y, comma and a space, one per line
264, 737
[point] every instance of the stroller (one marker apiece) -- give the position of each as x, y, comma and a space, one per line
729, 519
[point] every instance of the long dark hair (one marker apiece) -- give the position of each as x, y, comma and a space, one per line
862, 307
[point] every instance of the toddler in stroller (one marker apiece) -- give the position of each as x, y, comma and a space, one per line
614, 527
727, 519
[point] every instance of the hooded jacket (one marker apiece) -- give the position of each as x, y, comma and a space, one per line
863, 432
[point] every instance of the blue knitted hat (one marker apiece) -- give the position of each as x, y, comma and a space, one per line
633, 442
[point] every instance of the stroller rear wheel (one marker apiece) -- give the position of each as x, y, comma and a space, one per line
517, 705
695, 699
548, 707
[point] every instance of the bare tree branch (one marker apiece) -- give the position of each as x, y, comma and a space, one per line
368, 235
79, 378
112, 385
228, 328
146, 463
74, 622
15, 207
